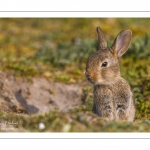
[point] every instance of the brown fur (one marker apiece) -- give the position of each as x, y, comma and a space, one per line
112, 93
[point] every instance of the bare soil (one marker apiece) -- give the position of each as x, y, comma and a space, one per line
37, 95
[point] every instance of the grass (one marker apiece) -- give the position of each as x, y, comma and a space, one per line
58, 49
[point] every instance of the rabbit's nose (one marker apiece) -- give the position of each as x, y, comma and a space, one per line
87, 75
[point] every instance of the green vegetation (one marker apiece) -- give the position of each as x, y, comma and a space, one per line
58, 49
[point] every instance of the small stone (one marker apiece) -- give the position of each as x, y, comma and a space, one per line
66, 128
88, 118
41, 126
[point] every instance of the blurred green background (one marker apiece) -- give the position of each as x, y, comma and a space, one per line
58, 48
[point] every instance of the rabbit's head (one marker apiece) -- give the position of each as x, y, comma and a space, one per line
103, 66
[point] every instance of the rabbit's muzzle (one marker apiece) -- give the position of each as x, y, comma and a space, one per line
92, 78
88, 75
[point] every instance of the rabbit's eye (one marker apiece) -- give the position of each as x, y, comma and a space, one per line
104, 64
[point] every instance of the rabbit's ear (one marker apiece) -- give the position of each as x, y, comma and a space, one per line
101, 39
122, 42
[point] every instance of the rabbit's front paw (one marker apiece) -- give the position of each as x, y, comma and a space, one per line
121, 114
105, 113
108, 114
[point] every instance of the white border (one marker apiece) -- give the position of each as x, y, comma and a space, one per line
82, 14
76, 135
74, 8
74, 5
84, 144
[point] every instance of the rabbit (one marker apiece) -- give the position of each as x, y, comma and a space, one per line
112, 93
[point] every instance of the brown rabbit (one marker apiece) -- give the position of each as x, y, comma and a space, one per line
112, 93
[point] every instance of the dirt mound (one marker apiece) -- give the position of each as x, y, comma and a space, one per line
8, 102
38, 95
